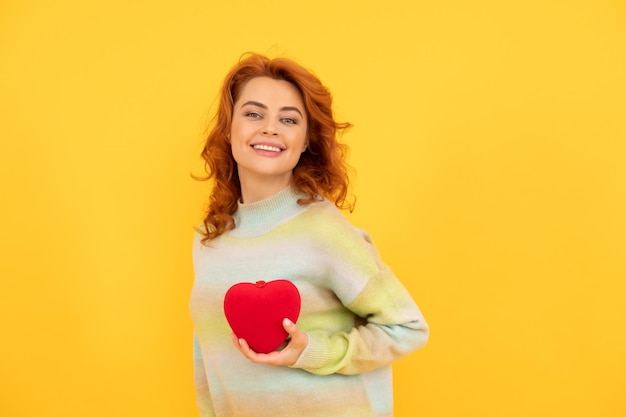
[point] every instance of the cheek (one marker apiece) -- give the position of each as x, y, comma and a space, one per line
238, 128
298, 139
236, 145
235, 149
237, 136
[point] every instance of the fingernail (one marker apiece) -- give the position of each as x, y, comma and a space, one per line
287, 322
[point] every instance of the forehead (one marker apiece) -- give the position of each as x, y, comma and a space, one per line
270, 91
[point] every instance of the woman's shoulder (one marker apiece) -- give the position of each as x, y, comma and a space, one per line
325, 211
325, 220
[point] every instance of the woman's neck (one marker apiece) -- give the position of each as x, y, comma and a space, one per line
257, 188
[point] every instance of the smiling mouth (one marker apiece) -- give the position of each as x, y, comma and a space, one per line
267, 148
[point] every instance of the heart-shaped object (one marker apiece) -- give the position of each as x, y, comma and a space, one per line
255, 312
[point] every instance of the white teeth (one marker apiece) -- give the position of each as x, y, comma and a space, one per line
267, 148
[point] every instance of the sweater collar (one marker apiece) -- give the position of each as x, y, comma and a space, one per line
262, 216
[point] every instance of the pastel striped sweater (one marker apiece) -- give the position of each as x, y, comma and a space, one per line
357, 315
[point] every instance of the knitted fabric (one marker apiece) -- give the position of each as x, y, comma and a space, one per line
357, 315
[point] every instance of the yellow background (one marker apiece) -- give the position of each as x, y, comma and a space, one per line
489, 151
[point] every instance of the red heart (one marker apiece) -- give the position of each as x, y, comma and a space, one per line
255, 312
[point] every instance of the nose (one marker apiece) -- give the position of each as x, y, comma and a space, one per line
269, 129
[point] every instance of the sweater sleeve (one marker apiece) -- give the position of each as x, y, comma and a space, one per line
203, 394
392, 327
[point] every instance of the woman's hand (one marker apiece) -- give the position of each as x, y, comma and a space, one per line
287, 356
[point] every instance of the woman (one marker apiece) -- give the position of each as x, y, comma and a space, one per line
279, 180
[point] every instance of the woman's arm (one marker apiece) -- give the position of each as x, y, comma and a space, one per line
393, 328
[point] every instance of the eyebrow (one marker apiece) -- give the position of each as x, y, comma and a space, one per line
263, 106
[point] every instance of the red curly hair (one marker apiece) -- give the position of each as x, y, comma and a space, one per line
321, 171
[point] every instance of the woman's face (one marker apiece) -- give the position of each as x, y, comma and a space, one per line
268, 131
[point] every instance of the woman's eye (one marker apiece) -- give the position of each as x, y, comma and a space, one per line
253, 115
290, 121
